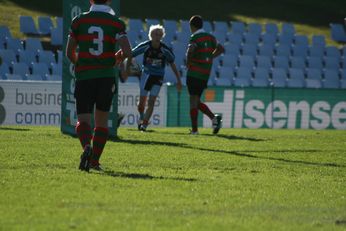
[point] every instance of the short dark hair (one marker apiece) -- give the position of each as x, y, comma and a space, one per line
196, 21
100, 1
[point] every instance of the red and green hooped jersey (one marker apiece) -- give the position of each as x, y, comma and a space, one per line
96, 34
202, 60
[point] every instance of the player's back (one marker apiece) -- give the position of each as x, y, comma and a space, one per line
96, 34
202, 58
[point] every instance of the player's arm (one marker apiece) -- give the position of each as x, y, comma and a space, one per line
218, 50
71, 49
126, 52
177, 75
189, 53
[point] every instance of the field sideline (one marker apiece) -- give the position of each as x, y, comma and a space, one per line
165, 179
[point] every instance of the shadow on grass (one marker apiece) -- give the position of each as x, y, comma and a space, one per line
143, 176
236, 153
14, 129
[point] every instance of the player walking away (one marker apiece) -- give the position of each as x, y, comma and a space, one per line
202, 49
95, 33
156, 55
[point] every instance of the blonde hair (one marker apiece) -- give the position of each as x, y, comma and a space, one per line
156, 27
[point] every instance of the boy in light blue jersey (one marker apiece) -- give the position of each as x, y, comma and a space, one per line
156, 55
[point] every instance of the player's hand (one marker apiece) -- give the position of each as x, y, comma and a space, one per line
119, 57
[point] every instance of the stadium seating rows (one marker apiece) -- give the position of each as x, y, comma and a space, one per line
256, 55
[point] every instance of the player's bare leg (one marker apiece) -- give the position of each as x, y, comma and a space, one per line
141, 109
194, 102
148, 112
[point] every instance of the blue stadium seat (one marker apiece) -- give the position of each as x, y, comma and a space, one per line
247, 61
266, 50
59, 22
332, 51
223, 82
221, 26
211, 81
343, 73
331, 79
151, 21
20, 69
169, 38
295, 73
59, 56
251, 38
286, 39
15, 77
314, 62
8, 56
46, 56
133, 36
318, 41
169, 76
271, 28
241, 82
244, 73
14, 44
343, 83
288, 29
300, 51
56, 36
316, 51
235, 38
33, 77
279, 77
170, 26
331, 63
225, 72
183, 37
264, 61
27, 26
4, 69
56, 68
4, 33
269, 39
229, 60
254, 28
249, 50
313, 73
135, 24
295, 83
33, 44
207, 26
281, 62
45, 25
301, 40
233, 49
237, 27
40, 69
185, 25
221, 37
313, 83
297, 62
338, 32
261, 77
27, 57
53, 77
283, 50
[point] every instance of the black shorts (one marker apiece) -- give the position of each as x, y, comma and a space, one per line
91, 92
196, 86
153, 80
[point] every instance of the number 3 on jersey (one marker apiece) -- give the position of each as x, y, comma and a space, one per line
98, 41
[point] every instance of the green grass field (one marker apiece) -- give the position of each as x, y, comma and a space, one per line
167, 180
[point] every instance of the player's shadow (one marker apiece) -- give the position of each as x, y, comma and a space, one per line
14, 129
236, 153
141, 176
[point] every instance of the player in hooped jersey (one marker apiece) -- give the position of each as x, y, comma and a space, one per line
202, 49
156, 56
95, 33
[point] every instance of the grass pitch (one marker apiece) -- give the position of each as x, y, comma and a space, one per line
167, 180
